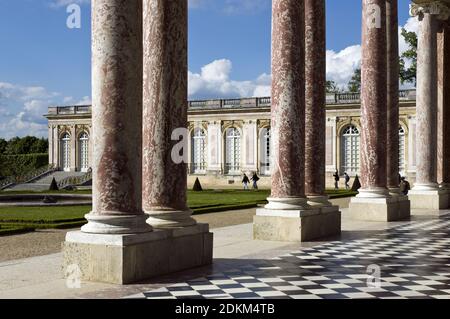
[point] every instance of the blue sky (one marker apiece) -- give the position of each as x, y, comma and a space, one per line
42, 62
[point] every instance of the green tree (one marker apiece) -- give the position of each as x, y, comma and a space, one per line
409, 75
3, 145
13, 146
26, 145
332, 87
40, 146
354, 85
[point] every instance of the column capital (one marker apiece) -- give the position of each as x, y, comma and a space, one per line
438, 8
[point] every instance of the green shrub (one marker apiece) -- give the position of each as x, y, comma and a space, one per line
18, 165
54, 185
197, 186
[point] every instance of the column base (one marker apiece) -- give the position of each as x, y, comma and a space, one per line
429, 199
115, 224
169, 218
386, 209
126, 259
319, 201
296, 225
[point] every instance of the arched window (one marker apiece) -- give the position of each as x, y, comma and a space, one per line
265, 151
401, 150
350, 148
65, 152
198, 151
232, 151
83, 145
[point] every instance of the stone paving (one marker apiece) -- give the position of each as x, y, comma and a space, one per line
413, 256
413, 260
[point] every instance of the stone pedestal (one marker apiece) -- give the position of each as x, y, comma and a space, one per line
296, 225
119, 245
435, 199
373, 202
126, 259
288, 217
385, 209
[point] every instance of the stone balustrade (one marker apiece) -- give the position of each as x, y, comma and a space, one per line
70, 110
331, 99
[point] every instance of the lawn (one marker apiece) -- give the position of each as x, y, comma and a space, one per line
208, 201
43, 214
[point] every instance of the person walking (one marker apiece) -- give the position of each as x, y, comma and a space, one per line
255, 180
347, 180
405, 187
245, 181
336, 180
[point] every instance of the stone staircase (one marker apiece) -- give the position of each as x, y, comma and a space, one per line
43, 183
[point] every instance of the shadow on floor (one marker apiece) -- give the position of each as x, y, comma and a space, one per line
412, 259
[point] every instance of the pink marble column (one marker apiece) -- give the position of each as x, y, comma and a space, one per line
392, 97
373, 101
288, 105
165, 110
315, 78
116, 118
426, 176
444, 105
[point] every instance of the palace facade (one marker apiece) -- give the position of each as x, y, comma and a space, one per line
231, 137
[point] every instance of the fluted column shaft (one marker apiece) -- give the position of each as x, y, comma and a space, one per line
373, 100
116, 118
165, 110
315, 78
392, 96
288, 104
426, 176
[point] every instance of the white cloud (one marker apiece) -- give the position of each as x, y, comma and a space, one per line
22, 109
67, 99
86, 100
214, 82
412, 25
341, 65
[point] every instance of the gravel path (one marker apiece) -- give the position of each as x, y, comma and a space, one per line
44, 242
37, 243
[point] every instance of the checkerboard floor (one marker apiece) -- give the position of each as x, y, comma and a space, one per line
413, 260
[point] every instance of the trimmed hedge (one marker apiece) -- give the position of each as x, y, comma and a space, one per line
15, 230
222, 208
17, 165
